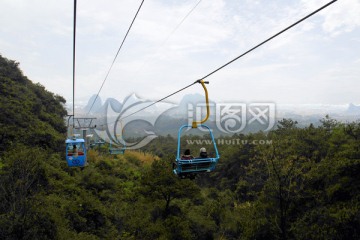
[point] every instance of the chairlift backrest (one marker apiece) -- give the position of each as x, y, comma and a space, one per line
117, 150
183, 166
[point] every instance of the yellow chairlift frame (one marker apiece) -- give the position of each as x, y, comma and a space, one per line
195, 123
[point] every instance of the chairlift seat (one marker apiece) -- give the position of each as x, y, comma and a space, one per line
195, 165
117, 150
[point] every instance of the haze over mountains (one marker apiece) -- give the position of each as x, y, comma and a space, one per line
341, 112
165, 118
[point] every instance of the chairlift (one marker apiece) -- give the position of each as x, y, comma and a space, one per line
117, 150
190, 167
97, 143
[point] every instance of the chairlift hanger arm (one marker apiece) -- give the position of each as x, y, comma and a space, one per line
87, 123
69, 117
195, 123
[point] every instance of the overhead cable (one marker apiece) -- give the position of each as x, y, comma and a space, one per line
275, 35
170, 34
74, 44
233, 60
182, 89
97, 95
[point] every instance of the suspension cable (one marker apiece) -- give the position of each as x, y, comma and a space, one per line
169, 35
277, 34
97, 95
74, 41
182, 89
233, 60
181, 22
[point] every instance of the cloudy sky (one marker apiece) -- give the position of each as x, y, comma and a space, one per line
316, 62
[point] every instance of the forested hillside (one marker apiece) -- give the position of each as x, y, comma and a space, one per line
29, 113
290, 183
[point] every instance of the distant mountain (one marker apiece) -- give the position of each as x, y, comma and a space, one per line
95, 107
168, 121
190, 101
181, 110
192, 98
113, 103
99, 108
353, 109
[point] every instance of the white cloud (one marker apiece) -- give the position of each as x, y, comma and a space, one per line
38, 34
341, 16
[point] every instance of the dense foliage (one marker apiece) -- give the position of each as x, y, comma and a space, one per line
289, 183
29, 114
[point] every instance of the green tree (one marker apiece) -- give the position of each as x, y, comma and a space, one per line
161, 183
21, 178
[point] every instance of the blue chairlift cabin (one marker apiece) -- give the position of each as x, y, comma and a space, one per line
190, 167
76, 152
